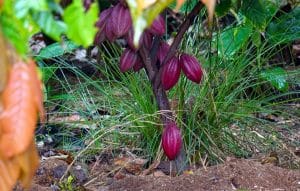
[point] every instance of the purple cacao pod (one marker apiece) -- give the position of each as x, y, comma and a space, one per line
101, 24
171, 140
128, 59
120, 20
191, 68
109, 31
138, 65
87, 4
147, 39
163, 49
158, 26
170, 73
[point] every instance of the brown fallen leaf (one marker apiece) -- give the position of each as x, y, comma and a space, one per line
131, 165
20, 103
20, 167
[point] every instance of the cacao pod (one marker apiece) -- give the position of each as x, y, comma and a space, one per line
101, 24
191, 68
120, 20
163, 49
138, 65
128, 60
171, 140
158, 26
170, 73
87, 4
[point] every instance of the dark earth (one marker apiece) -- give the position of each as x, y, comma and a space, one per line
234, 174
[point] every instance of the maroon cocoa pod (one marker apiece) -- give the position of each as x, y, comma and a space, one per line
171, 140
103, 18
101, 24
163, 49
158, 26
128, 59
87, 4
138, 65
120, 20
147, 39
109, 32
170, 73
191, 68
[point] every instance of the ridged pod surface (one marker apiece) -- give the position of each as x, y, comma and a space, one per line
128, 60
101, 24
163, 49
158, 26
120, 20
191, 68
170, 73
171, 140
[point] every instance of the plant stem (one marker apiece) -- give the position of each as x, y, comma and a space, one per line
154, 75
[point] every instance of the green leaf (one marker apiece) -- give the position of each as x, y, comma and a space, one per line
49, 25
47, 73
277, 77
259, 12
256, 38
14, 29
286, 28
80, 24
22, 7
56, 49
222, 7
233, 39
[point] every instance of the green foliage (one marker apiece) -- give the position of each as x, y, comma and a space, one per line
49, 25
14, 29
259, 12
223, 7
277, 77
80, 24
233, 39
286, 28
56, 49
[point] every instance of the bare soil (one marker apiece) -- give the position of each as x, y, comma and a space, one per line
234, 174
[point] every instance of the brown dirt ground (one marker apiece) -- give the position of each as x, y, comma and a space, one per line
235, 174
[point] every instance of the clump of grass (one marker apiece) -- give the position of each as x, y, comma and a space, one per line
217, 118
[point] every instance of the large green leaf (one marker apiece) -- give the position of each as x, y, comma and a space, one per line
277, 77
15, 29
22, 7
259, 12
222, 7
286, 28
49, 25
56, 49
232, 39
80, 24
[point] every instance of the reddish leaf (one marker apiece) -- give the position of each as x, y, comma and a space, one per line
22, 99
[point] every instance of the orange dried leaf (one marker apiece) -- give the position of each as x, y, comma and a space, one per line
21, 102
210, 4
20, 167
178, 4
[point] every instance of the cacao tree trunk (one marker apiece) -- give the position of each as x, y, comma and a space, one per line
154, 75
